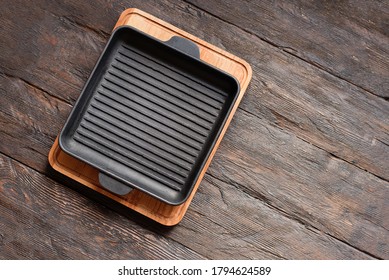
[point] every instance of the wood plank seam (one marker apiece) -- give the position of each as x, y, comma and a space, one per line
288, 51
54, 181
327, 70
294, 133
361, 250
98, 32
285, 49
313, 230
292, 217
35, 87
320, 148
342, 159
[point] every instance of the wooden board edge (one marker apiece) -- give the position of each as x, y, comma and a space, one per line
181, 209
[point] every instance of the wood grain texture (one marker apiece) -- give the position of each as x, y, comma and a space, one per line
26, 121
295, 123
261, 229
40, 219
348, 39
306, 183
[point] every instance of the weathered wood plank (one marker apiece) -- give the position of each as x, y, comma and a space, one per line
30, 119
246, 227
55, 45
49, 50
41, 219
70, 226
306, 183
347, 38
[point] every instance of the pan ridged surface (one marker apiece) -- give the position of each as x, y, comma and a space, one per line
150, 118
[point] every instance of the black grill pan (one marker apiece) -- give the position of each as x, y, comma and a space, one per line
149, 115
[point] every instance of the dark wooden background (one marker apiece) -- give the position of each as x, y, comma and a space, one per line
302, 172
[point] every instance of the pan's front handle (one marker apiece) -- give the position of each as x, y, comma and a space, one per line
113, 185
184, 45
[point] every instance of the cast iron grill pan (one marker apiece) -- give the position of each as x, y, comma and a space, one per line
149, 115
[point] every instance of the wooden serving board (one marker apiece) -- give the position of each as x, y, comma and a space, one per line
137, 200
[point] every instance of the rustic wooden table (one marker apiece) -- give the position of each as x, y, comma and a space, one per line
302, 172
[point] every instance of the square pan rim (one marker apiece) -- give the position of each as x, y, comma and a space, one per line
185, 195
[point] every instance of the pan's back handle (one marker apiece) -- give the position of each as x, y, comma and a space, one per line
184, 45
113, 185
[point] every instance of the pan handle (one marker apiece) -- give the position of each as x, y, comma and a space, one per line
113, 185
184, 45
